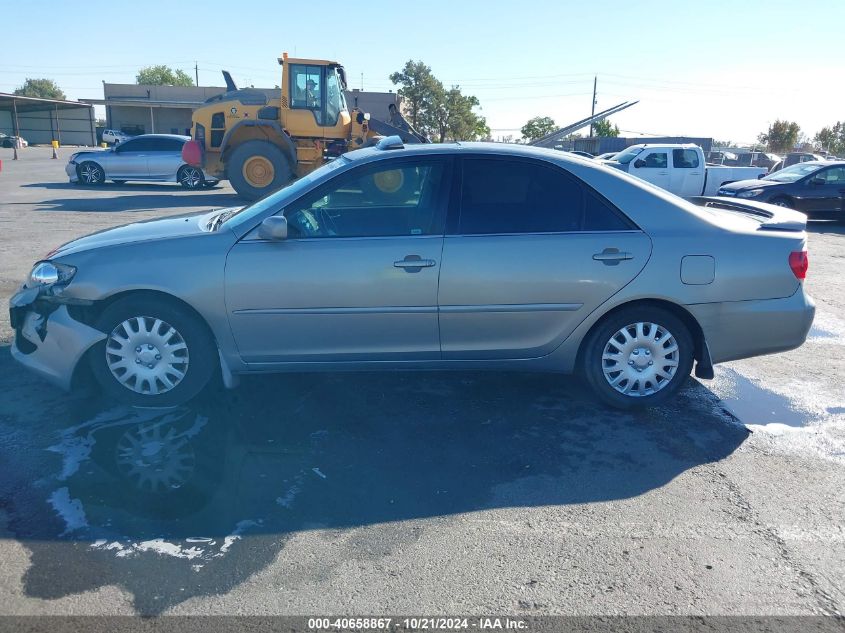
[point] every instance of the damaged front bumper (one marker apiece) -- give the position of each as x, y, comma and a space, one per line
48, 340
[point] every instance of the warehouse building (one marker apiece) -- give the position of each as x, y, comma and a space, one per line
41, 121
136, 109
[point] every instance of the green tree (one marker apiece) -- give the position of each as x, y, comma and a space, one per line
453, 118
538, 127
163, 76
832, 139
41, 88
605, 128
781, 136
420, 90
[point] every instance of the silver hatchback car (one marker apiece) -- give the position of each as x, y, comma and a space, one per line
462, 256
150, 157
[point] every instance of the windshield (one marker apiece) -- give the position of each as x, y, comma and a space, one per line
791, 174
628, 155
278, 198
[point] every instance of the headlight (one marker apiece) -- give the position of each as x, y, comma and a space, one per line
751, 193
49, 274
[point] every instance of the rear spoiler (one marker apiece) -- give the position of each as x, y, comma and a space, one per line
771, 217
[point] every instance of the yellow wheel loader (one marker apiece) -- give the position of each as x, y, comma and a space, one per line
260, 144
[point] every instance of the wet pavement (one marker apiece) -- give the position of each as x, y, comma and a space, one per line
160, 501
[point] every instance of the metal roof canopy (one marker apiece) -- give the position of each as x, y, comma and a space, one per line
19, 104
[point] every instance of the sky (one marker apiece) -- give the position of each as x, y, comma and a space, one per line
712, 68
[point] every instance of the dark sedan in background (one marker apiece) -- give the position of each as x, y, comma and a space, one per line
816, 188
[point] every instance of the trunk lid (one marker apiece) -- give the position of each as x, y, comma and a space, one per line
769, 216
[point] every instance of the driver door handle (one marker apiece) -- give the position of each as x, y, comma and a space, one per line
413, 263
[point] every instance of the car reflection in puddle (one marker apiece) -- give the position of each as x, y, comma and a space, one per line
192, 501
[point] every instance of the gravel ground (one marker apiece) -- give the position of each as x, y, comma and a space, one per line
415, 493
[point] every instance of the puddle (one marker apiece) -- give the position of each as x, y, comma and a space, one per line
755, 405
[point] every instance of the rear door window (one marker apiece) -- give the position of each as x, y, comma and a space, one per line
503, 196
684, 158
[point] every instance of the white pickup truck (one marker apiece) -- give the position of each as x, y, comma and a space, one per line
679, 168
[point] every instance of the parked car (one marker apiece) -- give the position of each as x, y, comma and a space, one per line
115, 136
794, 158
436, 256
721, 158
816, 188
9, 141
679, 168
150, 157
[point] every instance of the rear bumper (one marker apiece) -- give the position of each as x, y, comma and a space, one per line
742, 329
50, 342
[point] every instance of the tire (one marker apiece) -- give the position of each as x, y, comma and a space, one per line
90, 173
190, 177
782, 201
257, 168
157, 329
643, 354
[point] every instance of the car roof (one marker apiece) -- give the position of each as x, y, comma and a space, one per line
180, 137
482, 147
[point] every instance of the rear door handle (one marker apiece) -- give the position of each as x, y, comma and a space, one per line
414, 263
612, 256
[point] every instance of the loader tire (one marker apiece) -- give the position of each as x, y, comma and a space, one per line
258, 168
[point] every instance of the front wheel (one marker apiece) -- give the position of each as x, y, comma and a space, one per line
190, 177
90, 173
155, 353
638, 357
257, 168
782, 202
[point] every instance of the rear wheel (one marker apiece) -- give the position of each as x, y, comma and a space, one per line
190, 177
257, 168
638, 357
155, 353
90, 173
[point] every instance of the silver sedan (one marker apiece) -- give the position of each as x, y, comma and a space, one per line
150, 157
464, 256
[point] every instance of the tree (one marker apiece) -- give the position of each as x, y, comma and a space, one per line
163, 76
41, 88
538, 127
781, 136
832, 139
420, 89
452, 116
605, 128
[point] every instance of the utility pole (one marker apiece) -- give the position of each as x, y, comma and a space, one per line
593, 113
197, 72
362, 82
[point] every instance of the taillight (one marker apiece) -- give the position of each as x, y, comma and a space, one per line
799, 263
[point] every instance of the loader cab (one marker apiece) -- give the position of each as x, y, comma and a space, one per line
313, 102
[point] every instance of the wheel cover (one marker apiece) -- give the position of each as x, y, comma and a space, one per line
258, 171
389, 181
640, 359
191, 177
90, 173
155, 457
147, 355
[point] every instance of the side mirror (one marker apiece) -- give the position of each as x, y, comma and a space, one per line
274, 228
639, 163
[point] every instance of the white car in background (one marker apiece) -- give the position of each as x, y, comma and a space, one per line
114, 137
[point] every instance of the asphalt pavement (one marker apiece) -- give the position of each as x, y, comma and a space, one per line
417, 493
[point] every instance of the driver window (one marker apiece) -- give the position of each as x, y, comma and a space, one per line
386, 199
656, 160
306, 89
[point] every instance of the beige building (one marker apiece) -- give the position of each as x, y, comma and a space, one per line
137, 109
